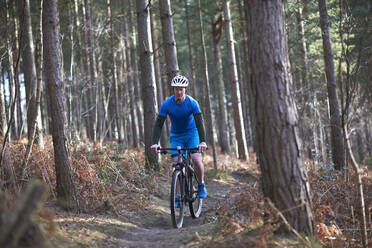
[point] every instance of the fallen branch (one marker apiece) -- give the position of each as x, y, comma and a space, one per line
17, 220
290, 228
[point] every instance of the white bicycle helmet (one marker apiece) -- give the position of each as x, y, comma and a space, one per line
179, 81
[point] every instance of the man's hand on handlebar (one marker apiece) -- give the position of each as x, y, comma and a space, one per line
202, 146
155, 147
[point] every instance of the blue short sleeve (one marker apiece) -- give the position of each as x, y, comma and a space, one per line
196, 108
163, 109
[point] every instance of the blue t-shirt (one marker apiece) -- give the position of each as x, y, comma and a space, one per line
181, 115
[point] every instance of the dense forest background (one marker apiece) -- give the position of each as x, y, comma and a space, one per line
92, 73
100, 63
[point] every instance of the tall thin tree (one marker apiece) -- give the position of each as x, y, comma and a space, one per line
159, 85
169, 42
237, 105
191, 57
28, 55
135, 73
223, 129
208, 107
147, 76
114, 74
337, 141
130, 87
66, 191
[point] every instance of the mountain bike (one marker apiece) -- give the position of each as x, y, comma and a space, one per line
184, 187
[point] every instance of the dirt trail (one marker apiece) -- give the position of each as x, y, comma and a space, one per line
155, 228
150, 227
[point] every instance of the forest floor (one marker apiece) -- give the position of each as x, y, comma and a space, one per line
124, 205
151, 226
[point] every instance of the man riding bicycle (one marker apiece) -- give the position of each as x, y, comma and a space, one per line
187, 128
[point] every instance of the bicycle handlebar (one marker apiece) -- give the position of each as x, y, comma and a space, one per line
179, 149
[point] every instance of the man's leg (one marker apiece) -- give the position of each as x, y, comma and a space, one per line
198, 165
199, 170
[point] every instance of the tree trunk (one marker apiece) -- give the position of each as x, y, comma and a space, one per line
368, 136
3, 121
130, 79
245, 81
208, 108
337, 142
147, 77
284, 179
114, 76
135, 75
159, 87
17, 221
247, 88
66, 192
39, 135
124, 101
220, 88
28, 55
18, 116
88, 69
78, 68
104, 103
238, 114
169, 42
306, 87
191, 58
36, 131
10, 73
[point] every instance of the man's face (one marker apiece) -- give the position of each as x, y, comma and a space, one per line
179, 94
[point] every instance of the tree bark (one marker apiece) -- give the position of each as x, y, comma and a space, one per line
66, 192
284, 179
220, 88
192, 79
237, 105
39, 135
337, 142
245, 77
135, 75
169, 43
18, 220
130, 79
28, 55
368, 136
78, 68
159, 87
18, 115
208, 108
10, 72
114, 76
89, 102
147, 77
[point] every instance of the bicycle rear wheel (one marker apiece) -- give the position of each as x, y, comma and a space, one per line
195, 203
177, 212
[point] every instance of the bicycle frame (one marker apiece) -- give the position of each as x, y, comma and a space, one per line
183, 164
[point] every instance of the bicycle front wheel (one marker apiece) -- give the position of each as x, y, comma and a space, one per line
177, 199
195, 203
